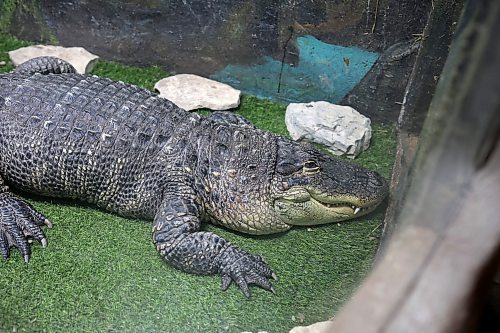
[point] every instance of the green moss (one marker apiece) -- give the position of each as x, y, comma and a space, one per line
26, 9
264, 114
7, 8
142, 77
101, 272
8, 43
32, 8
237, 25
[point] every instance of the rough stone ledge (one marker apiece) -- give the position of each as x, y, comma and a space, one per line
343, 130
81, 59
191, 92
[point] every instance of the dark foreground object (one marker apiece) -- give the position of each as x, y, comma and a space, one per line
128, 151
436, 272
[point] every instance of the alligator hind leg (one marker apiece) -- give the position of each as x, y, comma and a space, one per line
45, 65
19, 223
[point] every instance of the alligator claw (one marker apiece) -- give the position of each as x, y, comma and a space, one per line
226, 282
245, 270
47, 223
19, 225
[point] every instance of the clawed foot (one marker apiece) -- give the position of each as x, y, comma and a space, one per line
19, 224
245, 269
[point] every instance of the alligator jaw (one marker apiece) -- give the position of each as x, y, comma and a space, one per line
315, 212
356, 209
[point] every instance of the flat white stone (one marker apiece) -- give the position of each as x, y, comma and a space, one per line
343, 130
81, 59
322, 326
191, 92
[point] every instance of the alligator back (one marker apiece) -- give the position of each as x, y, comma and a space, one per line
90, 138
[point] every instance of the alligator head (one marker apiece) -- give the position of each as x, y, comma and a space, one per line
259, 183
311, 187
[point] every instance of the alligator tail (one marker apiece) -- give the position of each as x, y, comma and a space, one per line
45, 65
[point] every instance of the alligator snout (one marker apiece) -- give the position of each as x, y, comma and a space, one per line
377, 184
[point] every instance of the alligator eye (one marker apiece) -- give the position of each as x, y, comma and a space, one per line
311, 166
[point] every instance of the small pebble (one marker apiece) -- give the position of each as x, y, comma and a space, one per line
3, 63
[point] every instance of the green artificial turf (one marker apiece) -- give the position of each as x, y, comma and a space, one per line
101, 273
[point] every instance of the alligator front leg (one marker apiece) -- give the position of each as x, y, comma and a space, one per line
177, 236
19, 223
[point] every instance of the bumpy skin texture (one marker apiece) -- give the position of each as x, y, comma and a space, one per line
128, 151
45, 65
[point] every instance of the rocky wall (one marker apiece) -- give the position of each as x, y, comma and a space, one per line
281, 49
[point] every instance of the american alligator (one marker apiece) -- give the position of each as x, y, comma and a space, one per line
128, 151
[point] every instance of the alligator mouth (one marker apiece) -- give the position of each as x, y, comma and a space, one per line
321, 209
356, 210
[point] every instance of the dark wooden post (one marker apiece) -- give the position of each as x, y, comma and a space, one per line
439, 264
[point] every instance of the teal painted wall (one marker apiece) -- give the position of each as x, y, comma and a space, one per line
323, 72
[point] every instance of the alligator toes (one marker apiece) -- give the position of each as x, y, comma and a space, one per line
37, 218
243, 284
4, 245
226, 281
19, 225
260, 281
245, 270
14, 236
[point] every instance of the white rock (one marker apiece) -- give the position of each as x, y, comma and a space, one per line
192, 92
81, 59
322, 326
341, 129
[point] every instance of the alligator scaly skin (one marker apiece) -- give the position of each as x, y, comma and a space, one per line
129, 151
90, 138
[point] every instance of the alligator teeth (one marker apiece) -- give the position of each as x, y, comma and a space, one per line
356, 210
